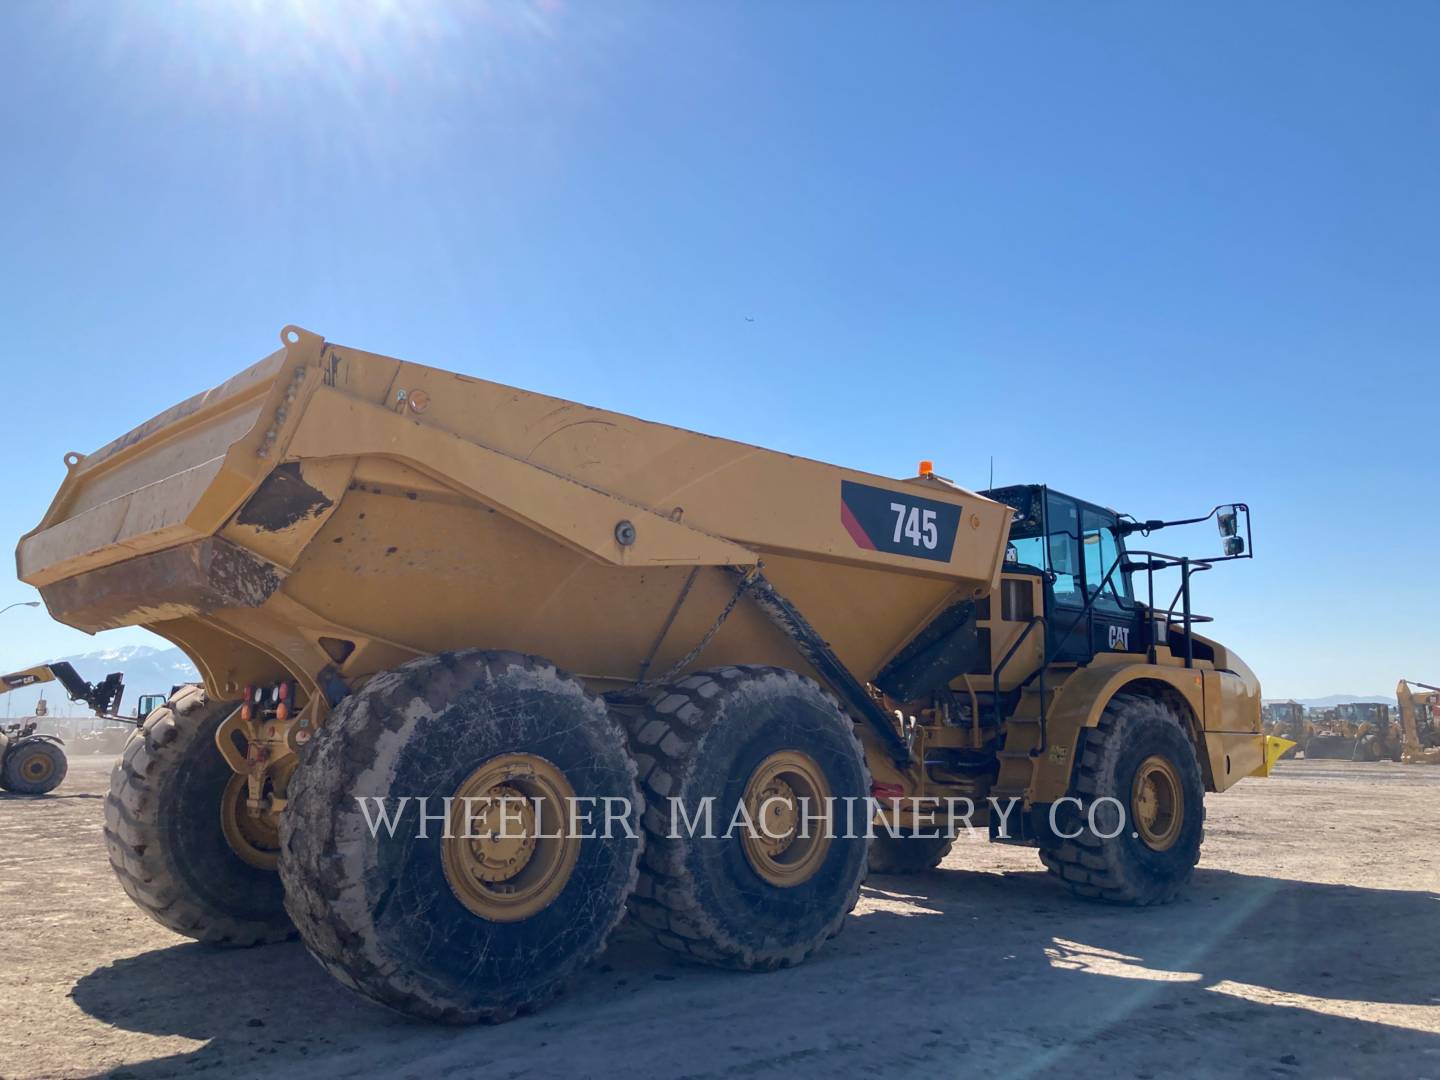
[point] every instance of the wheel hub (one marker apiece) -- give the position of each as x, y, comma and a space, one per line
777, 817
37, 768
254, 837
508, 849
501, 834
787, 801
1156, 803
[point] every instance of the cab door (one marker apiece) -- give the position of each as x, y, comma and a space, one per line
1066, 633
1115, 617
1082, 549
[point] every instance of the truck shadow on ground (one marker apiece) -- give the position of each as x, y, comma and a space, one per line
12, 796
1003, 971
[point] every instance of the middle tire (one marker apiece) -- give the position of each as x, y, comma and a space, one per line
484, 908
752, 898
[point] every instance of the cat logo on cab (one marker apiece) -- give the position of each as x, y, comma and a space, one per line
1120, 638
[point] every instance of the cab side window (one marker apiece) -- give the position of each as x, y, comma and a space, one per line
1101, 550
1063, 528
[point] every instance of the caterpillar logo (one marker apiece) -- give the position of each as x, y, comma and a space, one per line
1120, 638
14, 681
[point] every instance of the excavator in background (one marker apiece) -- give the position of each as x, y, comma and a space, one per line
1355, 731
33, 763
1419, 722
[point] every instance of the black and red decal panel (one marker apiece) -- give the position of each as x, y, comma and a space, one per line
900, 523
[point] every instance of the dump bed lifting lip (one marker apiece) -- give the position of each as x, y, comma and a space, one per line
164, 426
113, 529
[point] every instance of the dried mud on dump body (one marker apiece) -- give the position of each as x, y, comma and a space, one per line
1309, 944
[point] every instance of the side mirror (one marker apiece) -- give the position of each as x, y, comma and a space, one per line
1228, 519
1234, 545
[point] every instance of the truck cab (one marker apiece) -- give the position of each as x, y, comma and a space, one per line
1009, 688
1077, 550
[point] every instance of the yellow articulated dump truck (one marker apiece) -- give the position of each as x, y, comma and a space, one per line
484, 669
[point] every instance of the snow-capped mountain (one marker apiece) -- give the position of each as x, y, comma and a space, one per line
147, 670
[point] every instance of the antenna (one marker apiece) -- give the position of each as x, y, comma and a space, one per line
992, 471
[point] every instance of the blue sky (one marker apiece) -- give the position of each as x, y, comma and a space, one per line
1160, 256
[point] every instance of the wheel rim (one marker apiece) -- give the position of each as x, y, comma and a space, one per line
255, 838
509, 848
1157, 804
777, 847
36, 767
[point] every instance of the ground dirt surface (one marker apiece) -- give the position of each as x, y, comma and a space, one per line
1307, 945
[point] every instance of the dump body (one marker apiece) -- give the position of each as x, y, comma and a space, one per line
329, 513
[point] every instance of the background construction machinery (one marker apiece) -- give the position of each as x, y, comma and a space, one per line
33, 762
1354, 731
1419, 721
1286, 720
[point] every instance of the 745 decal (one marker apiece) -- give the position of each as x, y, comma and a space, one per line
879, 519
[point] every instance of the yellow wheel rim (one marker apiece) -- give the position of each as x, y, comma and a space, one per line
36, 767
255, 839
509, 847
787, 800
1157, 804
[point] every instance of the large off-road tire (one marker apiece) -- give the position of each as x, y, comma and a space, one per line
1151, 858
907, 854
717, 735
33, 767
163, 831
460, 930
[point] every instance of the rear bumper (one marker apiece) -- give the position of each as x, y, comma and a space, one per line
191, 579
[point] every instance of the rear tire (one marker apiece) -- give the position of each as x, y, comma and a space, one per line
164, 835
33, 767
718, 734
459, 929
1153, 856
907, 854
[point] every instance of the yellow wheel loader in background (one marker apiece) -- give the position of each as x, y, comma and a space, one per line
1286, 720
485, 669
1355, 731
34, 763
1419, 722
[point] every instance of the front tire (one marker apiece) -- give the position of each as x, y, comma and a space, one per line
164, 832
461, 928
766, 738
1139, 757
33, 766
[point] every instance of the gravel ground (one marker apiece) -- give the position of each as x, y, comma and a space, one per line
1308, 945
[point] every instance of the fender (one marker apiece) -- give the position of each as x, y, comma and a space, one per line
40, 737
1080, 702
